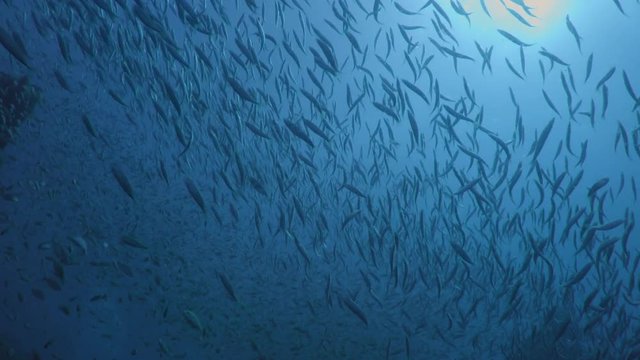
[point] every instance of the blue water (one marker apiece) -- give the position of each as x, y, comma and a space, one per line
310, 183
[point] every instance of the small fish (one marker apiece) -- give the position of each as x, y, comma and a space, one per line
254, 129
132, 242
355, 309
354, 190
403, 10
195, 194
605, 100
617, 2
227, 286
62, 80
53, 284
543, 138
513, 39
484, 8
14, 48
459, 9
610, 226
630, 91
88, 126
562, 329
574, 32
414, 128
315, 129
122, 180
606, 77
245, 94
519, 17
467, 186
597, 186
37, 293
80, 242
589, 67
549, 102
513, 69
461, 253
193, 320
577, 277
554, 58
486, 56
298, 132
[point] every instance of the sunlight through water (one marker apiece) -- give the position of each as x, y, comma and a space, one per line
532, 19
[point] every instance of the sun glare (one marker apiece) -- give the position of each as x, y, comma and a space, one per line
532, 17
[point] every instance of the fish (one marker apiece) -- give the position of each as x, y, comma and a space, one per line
605, 100
519, 17
486, 56
403, 10
578, 276
542, 139
416, 90
513, 69
298, 132
622, 134
513, 38
386, 110
619, 6
14, 48
610, 225
550, 102
80, 242
484, 8
467, 186
377, 6
630, 91
133, 242
195, 194
291, 53
62, 81
583, 153
526, 8
605, 78
244, 94
89, 126
122, 180
226, 283
597, 186
361, 145
353, 190
193, 320
256, 130
414, 128
552, 57
574, 32
589, 67
459, 250
573, 184
315, 129
562, 329
63, 46
459, 9
355, 309
299, 246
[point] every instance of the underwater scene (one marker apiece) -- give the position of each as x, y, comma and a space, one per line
319, 179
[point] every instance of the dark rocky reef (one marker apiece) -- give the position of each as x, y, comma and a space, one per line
17, 101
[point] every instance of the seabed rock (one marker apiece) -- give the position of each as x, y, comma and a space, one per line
17, 101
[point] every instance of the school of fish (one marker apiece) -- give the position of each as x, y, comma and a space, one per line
297, 179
